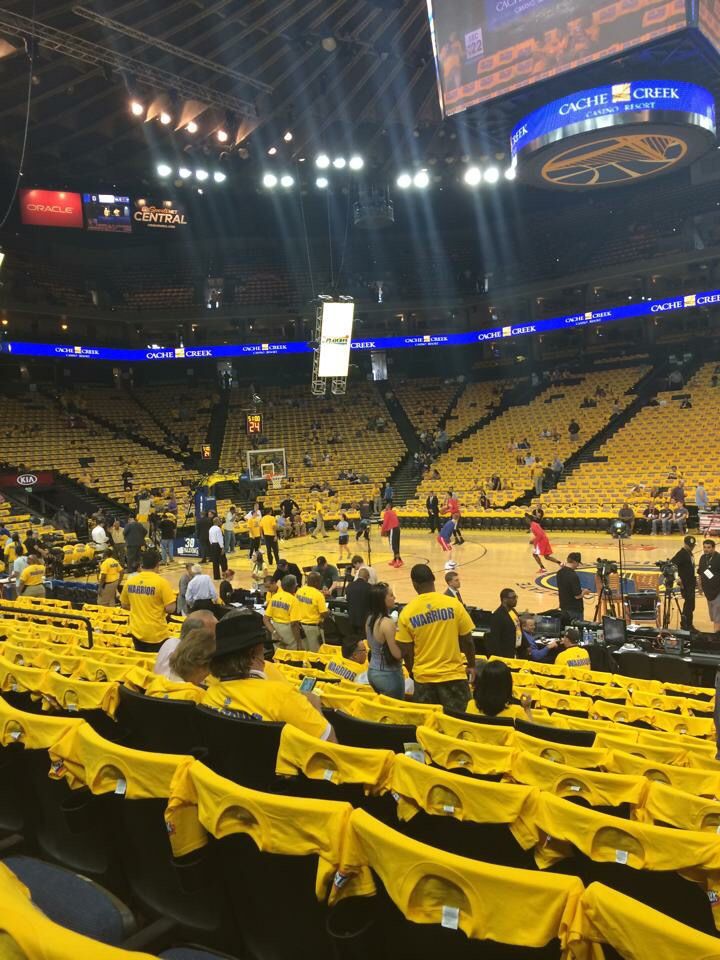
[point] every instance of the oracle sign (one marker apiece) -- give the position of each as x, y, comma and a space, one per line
51, 208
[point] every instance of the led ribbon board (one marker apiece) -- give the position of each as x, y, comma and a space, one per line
620, 133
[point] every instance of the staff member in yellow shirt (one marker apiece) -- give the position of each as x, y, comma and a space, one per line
148, 597
254, 531
243, 689
319, 520
268, 525
435, 636
278, 608
572, 654
309, 610
109, 578
31, 579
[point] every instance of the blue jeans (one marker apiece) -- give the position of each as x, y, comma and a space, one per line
167, 550
229, 536
389, 682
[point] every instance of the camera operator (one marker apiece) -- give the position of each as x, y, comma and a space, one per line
709, 581
570, 594
685, 564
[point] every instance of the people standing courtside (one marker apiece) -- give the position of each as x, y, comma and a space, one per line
309, 610
685, 564
134, 533
391, 529
506, 637
268, 524
148, 597
217, 549
709, 581
570, 592
432, 505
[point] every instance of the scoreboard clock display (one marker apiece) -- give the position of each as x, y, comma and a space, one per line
253, 424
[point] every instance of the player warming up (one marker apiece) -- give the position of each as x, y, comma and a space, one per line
391, 529
446, 532
542, 549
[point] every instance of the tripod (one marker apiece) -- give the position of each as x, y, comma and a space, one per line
606, 602
667, 605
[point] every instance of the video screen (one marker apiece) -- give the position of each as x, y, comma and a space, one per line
486, 48
107, 213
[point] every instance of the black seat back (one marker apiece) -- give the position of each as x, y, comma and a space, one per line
575, 738
241, 750
632, 663
366, 733
162, 726
476, 718
668, 669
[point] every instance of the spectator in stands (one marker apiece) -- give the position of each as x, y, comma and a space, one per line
506, 637
387, 493
298, 524
284, 567
539, 652
536, 477
678, 492
239, 657
217, 549
127, 478
495, 482
702, 501
288, 507
627, 515
680, 518
557, 466
167, 527
434, 636
109, 579
183, 582
685, 563
493, 690
663, 520
134, 535
328, 573
573, 429
201, 593
385, 672
708, 575
572, 654
588, 402
570, 592
651, 513
30, 582
186, 659
148, 597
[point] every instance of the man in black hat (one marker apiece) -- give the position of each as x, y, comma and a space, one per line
685, 564
570, 593
243, 688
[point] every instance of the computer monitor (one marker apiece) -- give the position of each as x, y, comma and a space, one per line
548, 626
614, 631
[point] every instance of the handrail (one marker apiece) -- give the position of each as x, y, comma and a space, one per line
12, 608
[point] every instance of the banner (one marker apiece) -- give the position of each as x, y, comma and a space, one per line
486, 48
335, 334
159, 214
51, 208
107, 213
30, 480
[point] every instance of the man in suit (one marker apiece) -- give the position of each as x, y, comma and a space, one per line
357, 594
432, 506
452, 579
506, 637
685, 563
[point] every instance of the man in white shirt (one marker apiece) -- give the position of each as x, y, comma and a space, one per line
19, 564
217, 549
230, 530
99, 538
200, 620
201, 592
359, 564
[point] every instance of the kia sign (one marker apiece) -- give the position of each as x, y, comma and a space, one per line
28, 480
51, 208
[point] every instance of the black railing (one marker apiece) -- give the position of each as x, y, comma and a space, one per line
5, 606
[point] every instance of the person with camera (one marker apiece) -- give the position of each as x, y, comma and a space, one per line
709, 581
571, 594
685, 564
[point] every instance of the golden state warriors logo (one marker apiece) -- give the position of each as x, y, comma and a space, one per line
612, 160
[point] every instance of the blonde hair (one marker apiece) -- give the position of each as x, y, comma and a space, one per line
196, 647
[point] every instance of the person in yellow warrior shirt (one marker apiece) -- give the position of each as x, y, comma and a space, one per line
435, 636
319, 520
572, 655
31, 579
278, 608
309, 610
109, 579
148, 597
243, 689
268, 524
254, 530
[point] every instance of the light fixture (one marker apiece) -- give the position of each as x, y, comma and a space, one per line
5, 321
63, 326
510, 173
339, 163
322, 160
491, 175
270, 180
165, 118
287, 136
356, 162
222, 136
219, 176
404, 181
201, 175
272, 151
200, 190
473, 176
286, 180
421, 179
136, 108
184, 172
164, 170
321, 182
192, 127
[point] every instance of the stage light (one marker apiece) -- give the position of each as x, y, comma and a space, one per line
322, 160
201, 175
356, 162
137, 108
222, 136
286, 180
272, 151
421, 179
287, 137
510, 173
63, 326
184, 172
164, 170
165, 118
491, 175
192, 127
270, 180
339, 163
404, 181
219, 176
322, 182
473, 176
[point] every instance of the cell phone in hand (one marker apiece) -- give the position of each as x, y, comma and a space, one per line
308, 684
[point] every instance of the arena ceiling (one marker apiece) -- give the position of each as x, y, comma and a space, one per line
339, 74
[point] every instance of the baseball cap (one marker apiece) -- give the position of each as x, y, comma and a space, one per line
575, 557
239, 632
